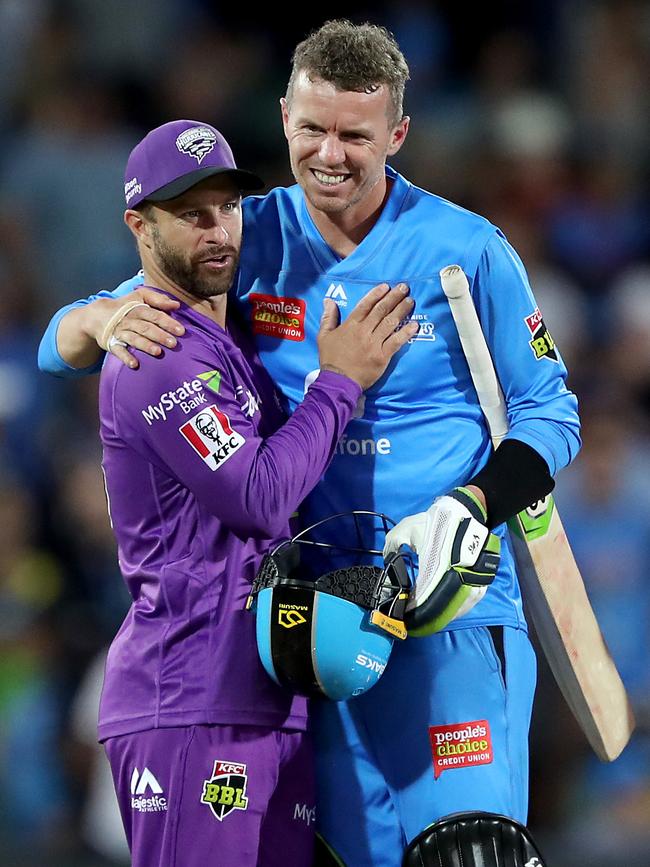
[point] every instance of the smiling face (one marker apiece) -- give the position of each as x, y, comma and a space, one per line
194, 240
338, 144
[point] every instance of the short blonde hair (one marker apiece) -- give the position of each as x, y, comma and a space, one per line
358, 57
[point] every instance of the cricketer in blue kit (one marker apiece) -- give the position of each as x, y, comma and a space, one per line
446, 728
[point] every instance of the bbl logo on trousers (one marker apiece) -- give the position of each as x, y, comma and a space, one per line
225, 791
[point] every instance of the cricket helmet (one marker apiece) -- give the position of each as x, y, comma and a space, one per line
329, 633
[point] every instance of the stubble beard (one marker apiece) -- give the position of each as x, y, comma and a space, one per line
189, 275
332, 205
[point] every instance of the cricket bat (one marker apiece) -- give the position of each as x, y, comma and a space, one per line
551, 583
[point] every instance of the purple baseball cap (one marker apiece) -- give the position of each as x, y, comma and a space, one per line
177, 155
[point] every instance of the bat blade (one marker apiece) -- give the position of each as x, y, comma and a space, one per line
568, 631
551, 583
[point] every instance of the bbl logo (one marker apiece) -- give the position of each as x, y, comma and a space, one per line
225, 791
542, 344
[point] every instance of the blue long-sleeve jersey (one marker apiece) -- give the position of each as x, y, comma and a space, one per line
419, 431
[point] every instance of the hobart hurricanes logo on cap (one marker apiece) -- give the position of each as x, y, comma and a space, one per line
196, 142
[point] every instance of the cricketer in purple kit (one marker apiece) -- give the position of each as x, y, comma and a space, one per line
210, 758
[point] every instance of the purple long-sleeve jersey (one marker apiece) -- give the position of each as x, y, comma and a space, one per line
202, 475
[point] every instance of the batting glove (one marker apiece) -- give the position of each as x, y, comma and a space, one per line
458, 559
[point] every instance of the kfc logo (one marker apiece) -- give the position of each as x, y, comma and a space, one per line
211, 436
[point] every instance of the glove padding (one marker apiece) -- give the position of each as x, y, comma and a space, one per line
458, 559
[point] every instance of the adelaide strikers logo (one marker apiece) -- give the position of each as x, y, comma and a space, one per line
196, 142
225, 791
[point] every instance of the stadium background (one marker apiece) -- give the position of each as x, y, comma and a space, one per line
534, 114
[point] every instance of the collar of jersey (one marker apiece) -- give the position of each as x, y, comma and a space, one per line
199, 320
377, 237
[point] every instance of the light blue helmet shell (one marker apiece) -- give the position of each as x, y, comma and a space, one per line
317, 644
326, 612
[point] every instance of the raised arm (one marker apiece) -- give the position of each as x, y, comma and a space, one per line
78, 335
250, 483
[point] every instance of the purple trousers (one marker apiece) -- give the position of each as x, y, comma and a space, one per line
224, 796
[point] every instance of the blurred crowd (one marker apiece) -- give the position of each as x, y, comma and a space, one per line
534, 114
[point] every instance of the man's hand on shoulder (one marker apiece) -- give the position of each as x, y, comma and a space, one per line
138, 320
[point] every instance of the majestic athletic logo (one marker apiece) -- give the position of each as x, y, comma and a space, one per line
276, 316
542, 343
337, 293
196, 142
140, 782
225, 791
289, 615
460, 745
211, 436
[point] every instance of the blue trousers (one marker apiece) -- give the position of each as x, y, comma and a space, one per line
444, 730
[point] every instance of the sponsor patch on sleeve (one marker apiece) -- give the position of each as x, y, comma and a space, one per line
276, 316
211, 436
460, 745
542, 343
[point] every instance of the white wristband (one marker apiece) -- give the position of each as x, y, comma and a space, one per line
115, 320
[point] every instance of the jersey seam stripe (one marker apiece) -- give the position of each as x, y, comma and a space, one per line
177, 813
163, 588
304, 219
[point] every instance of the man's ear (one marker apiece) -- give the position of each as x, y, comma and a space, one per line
137, 224
398, 135
285, 114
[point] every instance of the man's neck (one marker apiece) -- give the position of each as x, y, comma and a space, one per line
344, 231
213, 308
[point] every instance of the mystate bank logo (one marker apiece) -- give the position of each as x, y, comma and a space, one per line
460, 745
